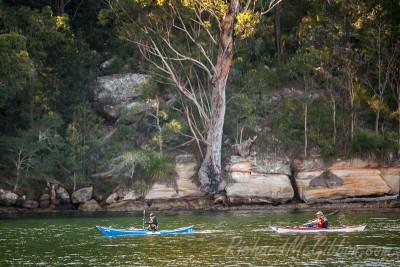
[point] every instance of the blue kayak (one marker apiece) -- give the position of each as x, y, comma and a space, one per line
108, 231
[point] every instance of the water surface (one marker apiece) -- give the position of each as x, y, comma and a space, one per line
233, 238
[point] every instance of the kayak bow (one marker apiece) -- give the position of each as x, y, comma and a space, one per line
108, 231
288, 229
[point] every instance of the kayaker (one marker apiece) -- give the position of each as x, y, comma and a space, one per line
153, 222
320, 221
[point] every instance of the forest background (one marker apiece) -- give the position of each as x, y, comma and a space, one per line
307, 78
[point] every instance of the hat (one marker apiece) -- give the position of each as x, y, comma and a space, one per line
319, 213
152, 214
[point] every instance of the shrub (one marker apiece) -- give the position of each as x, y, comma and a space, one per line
367, 144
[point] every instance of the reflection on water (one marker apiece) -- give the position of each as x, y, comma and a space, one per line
219, 239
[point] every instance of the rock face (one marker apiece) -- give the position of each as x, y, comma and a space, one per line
130, 196
119, 88
341, 179
161, 191
82, 195
185, 168
7, 198
392, 178
127, 206
256, 182
116, 93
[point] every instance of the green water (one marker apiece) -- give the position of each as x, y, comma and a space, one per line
234, 238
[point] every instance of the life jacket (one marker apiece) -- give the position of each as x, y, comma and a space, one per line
321, 223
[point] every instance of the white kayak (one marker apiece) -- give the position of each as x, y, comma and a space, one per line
303, 229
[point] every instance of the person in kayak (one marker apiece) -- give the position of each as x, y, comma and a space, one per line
320, 221
153, 222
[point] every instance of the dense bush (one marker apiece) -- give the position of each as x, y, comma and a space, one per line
370, 145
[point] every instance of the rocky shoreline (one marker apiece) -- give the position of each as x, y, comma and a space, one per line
253, 183
204, 204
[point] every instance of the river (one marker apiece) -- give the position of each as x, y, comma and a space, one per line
231, 238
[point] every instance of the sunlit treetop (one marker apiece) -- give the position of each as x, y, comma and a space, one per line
246, 23
219, 7
61, 23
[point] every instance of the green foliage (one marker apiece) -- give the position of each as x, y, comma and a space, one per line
15, 66
370, 145
84, 143
141, 187
288, 127
34, 153
155, 167
141, 169
116, 65
327, 174
304, 62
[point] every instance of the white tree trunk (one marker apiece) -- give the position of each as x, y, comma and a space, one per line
210, 171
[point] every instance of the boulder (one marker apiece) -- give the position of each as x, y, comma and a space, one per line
62, 196
98, 196
116, 94
7, 198
89, 206
119, 88
82, 195
391, 175
342, 179
30, 204
112, 198
44, 204
44, 197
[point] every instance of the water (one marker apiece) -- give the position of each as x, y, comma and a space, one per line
234, 238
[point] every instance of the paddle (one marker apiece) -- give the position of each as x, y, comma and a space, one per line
144, 215
333, 213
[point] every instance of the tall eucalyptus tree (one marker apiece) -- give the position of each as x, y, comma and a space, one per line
192, 42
